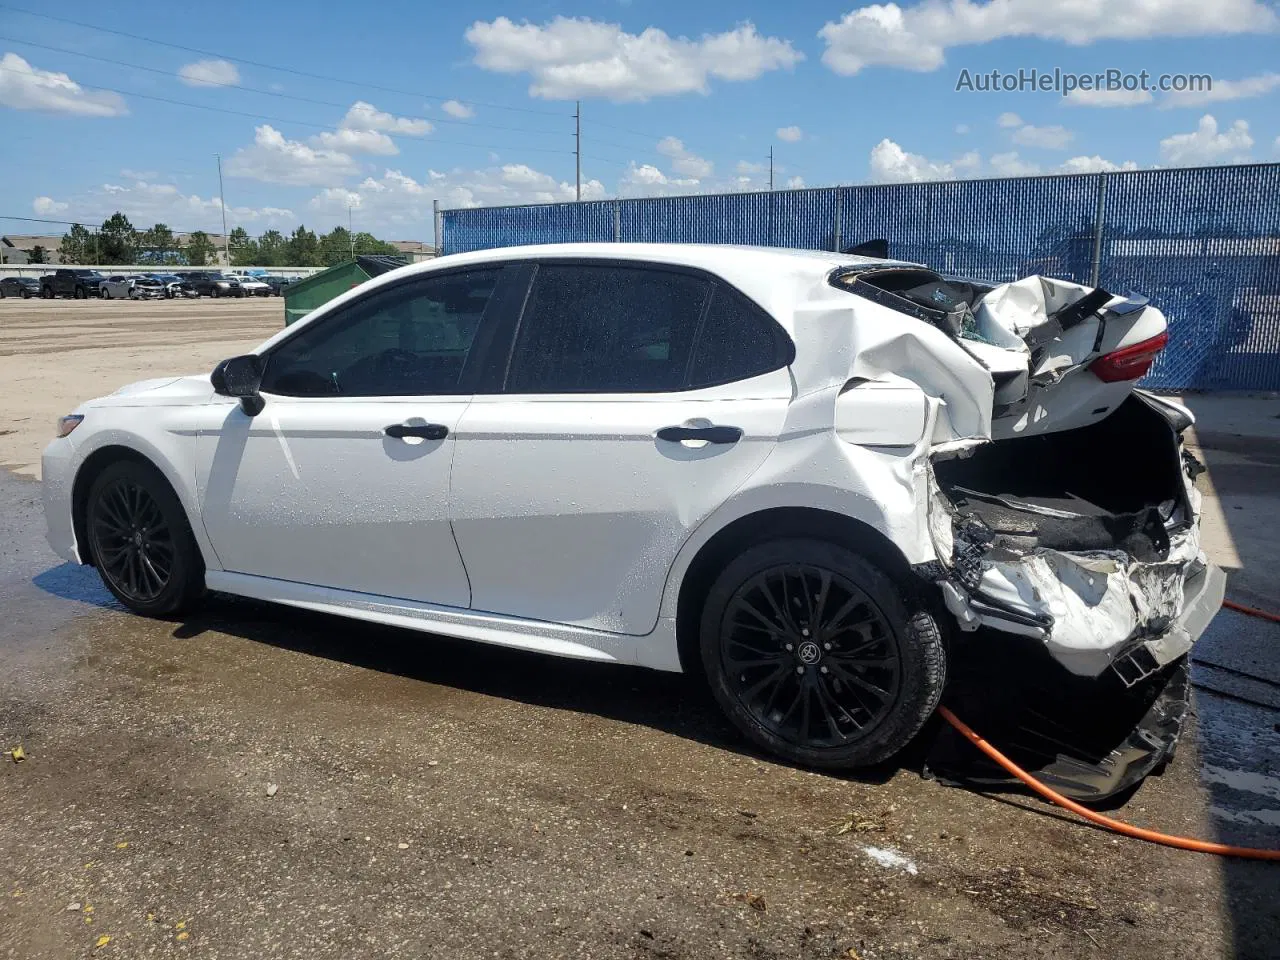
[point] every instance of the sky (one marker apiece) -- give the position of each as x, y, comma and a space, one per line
328, 114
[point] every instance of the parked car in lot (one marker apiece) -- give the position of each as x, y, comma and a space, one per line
71, 283
807, 476
131, 288
276, 283
210, 284
24, 287
252, 286
175, 286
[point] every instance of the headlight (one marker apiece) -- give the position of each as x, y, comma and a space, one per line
68, 423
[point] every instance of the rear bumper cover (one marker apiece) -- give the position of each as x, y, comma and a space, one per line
1097, 610
1088, 759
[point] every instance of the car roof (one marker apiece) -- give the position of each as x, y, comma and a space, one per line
769, 275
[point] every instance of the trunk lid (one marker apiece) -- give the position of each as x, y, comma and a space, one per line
1060, 355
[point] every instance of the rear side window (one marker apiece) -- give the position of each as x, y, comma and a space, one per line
607, 329
738, 340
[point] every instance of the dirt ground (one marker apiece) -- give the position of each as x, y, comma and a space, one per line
259, 782
56, 353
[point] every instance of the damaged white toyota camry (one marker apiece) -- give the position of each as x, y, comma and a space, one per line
811, 477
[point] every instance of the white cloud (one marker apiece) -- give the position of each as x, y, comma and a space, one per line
1206, 145
47, 206
794, 183
646, 180
1224, 90
891, 164
365, 116
356, 141
146, 202
24, 87
1011, 165
1094, 164
746, 167
917, 37
398, 202
579, 57
210, 73
274, 159
1009, 120
1047, 138
1107, 98
790, 134
458, 110
682, 161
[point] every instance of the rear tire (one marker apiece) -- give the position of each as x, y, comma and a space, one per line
81, 294
817, 656
141, 542
26, 294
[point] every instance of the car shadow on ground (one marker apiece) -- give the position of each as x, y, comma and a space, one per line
676, 704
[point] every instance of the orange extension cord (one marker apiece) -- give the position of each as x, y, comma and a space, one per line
1127, 829
1252, 611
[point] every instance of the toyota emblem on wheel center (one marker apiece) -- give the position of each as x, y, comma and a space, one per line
809, 652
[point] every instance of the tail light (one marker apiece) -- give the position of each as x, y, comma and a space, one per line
1129, 363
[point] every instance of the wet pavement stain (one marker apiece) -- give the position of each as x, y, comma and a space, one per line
435, 798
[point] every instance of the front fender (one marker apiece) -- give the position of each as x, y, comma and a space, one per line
167, 442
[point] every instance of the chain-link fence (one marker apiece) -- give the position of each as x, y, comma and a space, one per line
1203, 244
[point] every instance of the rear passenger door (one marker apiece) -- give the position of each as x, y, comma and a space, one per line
634, 400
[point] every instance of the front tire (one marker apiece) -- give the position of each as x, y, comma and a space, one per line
81, 294
26, 294
817, 656
141, 542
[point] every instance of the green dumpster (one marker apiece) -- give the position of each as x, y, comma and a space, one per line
305, 295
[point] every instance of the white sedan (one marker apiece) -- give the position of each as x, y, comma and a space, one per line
802, 474
131, 288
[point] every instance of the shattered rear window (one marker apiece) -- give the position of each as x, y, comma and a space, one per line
944, 303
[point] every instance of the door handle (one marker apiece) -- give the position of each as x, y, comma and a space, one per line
427, 431
712, 434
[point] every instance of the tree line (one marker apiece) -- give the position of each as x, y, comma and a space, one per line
117, 241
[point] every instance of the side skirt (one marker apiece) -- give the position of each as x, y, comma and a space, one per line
556, 639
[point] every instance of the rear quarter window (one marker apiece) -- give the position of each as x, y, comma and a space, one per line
738, 340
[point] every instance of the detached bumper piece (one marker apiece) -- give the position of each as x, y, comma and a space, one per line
1089, 739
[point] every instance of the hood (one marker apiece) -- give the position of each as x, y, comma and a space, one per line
160, 392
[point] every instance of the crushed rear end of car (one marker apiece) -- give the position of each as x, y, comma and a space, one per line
1064, 518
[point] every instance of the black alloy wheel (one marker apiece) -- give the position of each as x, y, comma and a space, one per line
810, 655
132, 540
818, 656
140, 541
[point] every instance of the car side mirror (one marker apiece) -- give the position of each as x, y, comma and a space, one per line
240, 377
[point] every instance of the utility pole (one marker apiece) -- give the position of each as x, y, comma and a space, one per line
771, 168
351, 233
577, 148
222, 202
436, 225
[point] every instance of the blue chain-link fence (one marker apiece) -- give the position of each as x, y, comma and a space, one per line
1203, 244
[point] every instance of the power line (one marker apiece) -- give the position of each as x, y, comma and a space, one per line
634, 133
265, 93
268, 66
301, 123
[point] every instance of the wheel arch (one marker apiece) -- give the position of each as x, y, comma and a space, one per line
99, 460
761, 526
